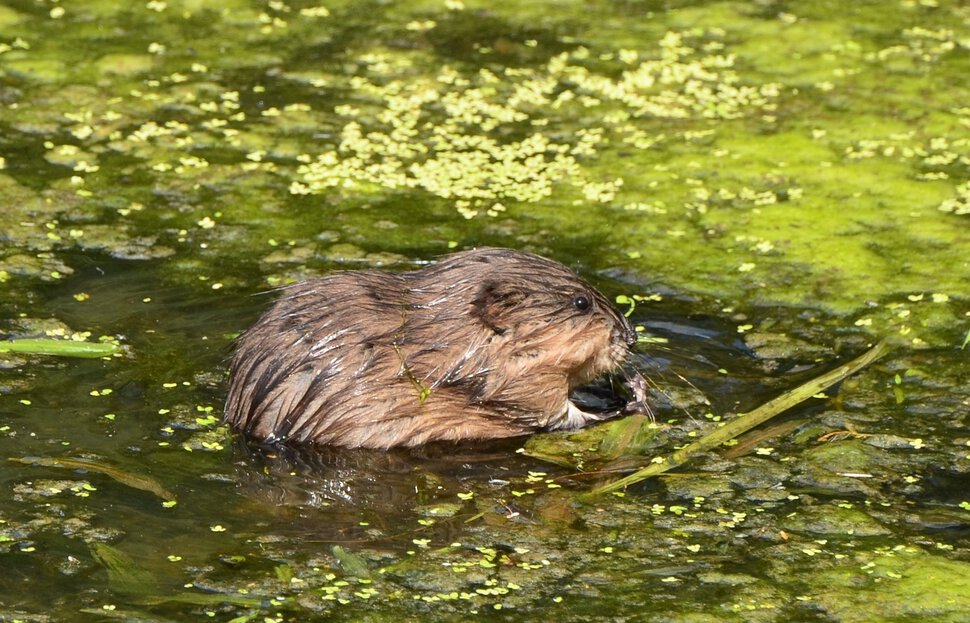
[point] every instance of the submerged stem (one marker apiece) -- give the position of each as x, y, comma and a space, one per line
747, 421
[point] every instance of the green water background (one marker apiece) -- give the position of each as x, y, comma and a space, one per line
775, 183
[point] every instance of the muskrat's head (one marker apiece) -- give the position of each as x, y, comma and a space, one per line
553, 319
547, 328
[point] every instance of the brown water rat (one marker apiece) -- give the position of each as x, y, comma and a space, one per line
486, 343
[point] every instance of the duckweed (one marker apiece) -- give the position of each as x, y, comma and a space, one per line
767, 186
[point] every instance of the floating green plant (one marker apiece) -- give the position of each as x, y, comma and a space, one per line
747, 421
59, 348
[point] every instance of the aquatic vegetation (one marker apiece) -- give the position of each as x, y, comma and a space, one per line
483, 138
62, 348
673, 131
768, 185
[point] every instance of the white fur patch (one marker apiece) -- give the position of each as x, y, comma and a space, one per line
574, 417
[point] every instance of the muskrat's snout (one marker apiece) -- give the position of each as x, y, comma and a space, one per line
628, 333
624, 331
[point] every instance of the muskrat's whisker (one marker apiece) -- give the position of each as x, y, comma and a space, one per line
653, 372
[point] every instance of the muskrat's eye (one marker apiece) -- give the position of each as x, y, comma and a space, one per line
581, 302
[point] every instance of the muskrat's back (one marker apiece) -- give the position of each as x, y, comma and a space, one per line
486, 343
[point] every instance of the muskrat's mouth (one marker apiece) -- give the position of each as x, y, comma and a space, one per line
633, 381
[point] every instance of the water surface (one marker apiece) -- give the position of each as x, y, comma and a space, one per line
776, 185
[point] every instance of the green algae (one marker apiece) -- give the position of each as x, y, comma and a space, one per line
811, 186
789, 169
910, 583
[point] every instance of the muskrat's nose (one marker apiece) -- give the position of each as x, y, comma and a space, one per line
630, 336
627, 332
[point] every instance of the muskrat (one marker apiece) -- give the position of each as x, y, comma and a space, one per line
484, 344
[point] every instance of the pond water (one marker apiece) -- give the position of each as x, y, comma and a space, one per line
770, 187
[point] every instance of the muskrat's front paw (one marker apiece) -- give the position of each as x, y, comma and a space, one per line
574, 417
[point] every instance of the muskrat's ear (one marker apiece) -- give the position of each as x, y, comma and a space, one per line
494, 302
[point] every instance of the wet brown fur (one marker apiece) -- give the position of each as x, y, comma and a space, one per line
486, 343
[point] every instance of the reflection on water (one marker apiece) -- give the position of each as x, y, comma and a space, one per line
334, 488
